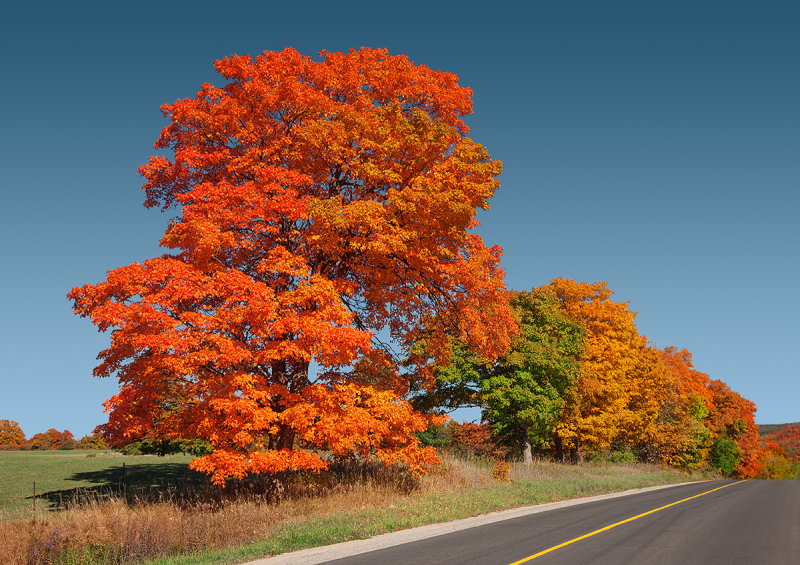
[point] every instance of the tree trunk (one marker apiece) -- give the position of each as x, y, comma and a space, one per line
524, 446
558, 448
294, 376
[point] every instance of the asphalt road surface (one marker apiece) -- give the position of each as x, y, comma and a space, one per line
750, 522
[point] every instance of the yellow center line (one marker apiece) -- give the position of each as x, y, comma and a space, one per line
614, 525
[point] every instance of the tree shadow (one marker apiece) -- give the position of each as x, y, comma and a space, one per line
136, 483
176, 484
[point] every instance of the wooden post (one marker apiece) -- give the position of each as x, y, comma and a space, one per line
34, 501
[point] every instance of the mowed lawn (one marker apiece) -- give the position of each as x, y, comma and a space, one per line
63, 476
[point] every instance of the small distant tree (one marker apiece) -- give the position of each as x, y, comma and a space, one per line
787, 436
687, 437
11, 435
458, 383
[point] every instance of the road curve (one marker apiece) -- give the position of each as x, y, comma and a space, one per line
752, 522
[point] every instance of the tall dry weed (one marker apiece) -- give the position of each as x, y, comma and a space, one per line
121, 530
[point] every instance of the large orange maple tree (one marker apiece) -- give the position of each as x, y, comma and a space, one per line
325, 222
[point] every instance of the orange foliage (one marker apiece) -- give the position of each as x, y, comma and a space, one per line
11, 435
597, 408
686, 436
734, 416
786, 437
472, 439
776, 463
646, 425
706, 410
52, 439
688, 380
321, 204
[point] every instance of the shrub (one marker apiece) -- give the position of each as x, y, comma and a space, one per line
501, 471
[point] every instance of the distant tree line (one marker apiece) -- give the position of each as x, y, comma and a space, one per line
12, 438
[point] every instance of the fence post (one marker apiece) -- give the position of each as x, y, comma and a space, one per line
34, 501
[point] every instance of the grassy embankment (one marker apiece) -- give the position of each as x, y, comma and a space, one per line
85, 516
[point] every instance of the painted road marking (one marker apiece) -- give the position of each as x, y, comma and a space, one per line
590, 534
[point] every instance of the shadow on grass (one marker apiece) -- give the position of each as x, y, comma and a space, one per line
140, 482
177, 484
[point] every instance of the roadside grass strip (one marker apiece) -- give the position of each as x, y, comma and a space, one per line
615, 524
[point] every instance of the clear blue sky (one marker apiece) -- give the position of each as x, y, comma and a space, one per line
654, 145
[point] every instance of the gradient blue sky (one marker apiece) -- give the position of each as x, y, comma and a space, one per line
654, 145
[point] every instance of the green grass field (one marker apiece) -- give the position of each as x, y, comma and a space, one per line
64, 476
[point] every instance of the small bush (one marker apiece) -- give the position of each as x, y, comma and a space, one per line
501, 471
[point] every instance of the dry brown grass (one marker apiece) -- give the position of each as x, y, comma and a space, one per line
121, 532
544, 469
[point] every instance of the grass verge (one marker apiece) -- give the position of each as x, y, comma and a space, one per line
418, 511
327, 509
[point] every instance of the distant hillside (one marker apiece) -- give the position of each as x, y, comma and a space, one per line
785, 435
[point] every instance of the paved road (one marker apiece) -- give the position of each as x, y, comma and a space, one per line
752, 522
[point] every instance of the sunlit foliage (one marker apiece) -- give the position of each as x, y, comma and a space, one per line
325, 217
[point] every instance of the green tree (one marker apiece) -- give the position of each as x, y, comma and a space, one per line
725, 455
525, 391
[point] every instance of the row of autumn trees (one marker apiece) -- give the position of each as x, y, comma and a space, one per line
321, 263
578, 378
13, 438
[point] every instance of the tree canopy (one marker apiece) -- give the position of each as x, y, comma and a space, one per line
11, 435
325, 223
